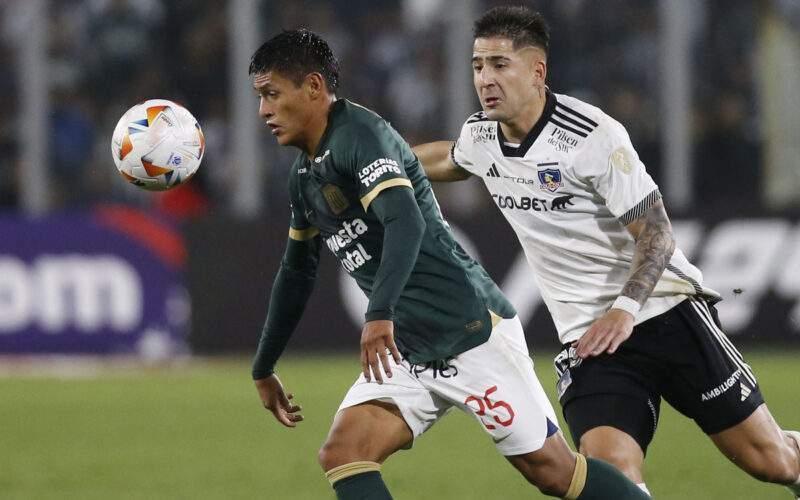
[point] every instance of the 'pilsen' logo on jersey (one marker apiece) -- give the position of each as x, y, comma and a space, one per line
483, 133
350, 232
561, 140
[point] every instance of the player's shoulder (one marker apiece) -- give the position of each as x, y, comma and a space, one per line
349, 116
583, 117
353, 125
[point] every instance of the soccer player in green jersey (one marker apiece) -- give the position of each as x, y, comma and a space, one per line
438, 334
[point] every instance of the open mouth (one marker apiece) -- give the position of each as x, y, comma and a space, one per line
491, 101
275, 129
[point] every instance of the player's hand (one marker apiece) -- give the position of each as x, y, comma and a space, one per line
605, 334
275, 400
376, 337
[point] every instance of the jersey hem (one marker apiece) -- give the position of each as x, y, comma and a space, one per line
645, 314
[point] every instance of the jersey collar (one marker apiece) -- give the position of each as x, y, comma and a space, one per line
549, 106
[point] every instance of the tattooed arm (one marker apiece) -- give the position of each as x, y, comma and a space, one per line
655, 244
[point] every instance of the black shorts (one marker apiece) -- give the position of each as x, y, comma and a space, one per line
681, 355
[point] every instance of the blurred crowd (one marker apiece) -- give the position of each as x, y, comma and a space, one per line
106, 55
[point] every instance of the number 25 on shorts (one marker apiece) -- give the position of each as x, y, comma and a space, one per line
483, 404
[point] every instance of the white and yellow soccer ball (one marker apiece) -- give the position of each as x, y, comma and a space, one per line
157, 145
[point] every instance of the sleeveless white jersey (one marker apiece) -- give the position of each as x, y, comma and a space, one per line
568, 190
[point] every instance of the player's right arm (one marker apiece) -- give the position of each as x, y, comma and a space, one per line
436, 159
290, 293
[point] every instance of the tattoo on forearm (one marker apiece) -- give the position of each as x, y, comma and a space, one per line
654, 247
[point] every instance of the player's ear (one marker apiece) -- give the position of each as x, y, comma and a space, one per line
539, 70
315, 84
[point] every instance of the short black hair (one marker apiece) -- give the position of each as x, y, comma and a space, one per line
524, 27
296, 54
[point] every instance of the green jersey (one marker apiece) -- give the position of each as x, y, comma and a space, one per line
444, 308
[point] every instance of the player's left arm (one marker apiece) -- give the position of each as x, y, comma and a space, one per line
631, 194
655, 244
404, 228
436, 159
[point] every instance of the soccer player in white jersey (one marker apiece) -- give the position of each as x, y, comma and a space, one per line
634, 318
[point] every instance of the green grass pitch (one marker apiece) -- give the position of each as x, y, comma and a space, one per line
198, 432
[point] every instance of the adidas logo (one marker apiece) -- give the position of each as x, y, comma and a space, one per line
493, 171
745, 390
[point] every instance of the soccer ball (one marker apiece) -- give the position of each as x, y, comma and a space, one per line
157, 145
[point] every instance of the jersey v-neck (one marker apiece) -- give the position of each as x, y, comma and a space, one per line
525, 145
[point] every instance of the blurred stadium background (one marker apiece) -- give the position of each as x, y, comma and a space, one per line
93, 269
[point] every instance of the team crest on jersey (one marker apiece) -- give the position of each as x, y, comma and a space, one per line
336, 199
550, 179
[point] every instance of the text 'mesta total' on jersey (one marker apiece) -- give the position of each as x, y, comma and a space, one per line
568, 191
444, 308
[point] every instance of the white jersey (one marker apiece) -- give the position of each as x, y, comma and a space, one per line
568, 190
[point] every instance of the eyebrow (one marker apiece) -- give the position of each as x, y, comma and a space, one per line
491, 58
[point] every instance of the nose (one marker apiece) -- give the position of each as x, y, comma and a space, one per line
264, 111
486, 77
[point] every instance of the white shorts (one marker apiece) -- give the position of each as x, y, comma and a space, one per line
494, 382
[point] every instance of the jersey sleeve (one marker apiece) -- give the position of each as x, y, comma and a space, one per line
461, 152
613, 167
377, 163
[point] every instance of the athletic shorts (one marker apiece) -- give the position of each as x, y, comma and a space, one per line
493, 382
681, 355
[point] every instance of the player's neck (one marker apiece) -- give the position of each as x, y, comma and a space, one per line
317, 128
516, 129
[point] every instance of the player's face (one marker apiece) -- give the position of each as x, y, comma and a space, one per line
286, 107
508, 81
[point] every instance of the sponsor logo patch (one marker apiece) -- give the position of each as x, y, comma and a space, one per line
563, 382
474, 326
319, 159
376, 169
440, 368
723, 387
483, 133
622, 159
351, 256
745, 390
561, 140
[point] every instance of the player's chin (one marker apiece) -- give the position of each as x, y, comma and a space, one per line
493, 113
283, 138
